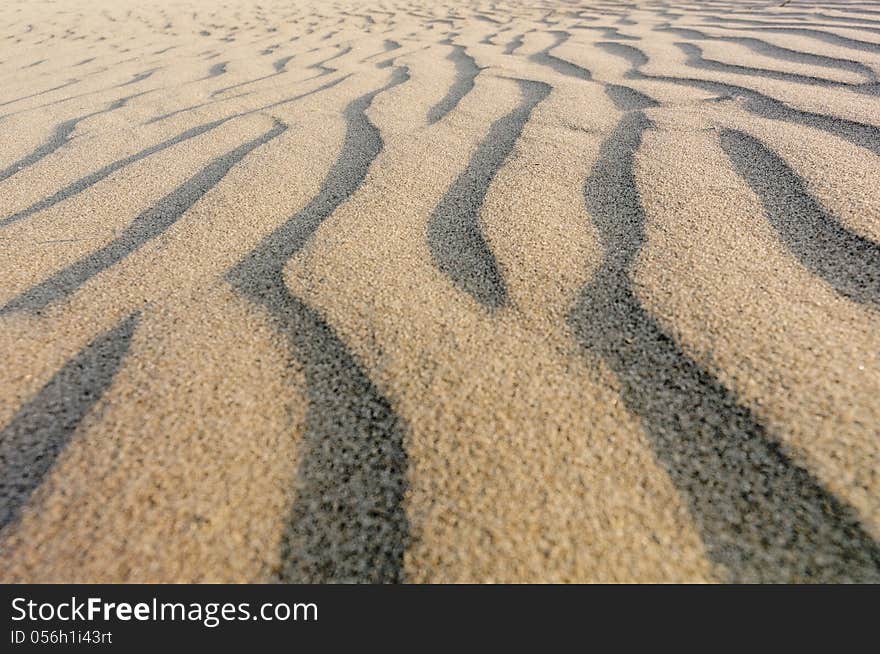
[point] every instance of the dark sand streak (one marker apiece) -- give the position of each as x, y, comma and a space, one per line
861, 134
560, 65
279, 66
454, 235
628, 99
819, 35
176, 112
145, 227
611, 33
848, 262
216, 70
760, 516
327, 70
35, 95
59, 138
514, 45
348, 523
466, 71
42, 427
767, 49
140, 77
695, 59
91, 179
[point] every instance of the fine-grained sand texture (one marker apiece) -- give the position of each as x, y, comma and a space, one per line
380, 291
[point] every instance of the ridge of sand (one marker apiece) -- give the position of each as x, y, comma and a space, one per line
385, 291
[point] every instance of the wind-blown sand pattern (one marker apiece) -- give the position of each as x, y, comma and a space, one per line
404, 292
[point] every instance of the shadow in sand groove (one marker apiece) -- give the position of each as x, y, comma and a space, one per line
145, 227
93, 178
454, 235
85, 183
37, 434
348, 523
761, 517
695, 59
60, 136
545, 58
777, 52
466, 71
861, 134
848, 262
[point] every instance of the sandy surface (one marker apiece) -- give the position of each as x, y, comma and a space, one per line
497, 292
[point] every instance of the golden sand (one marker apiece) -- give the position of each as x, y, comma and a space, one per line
489, 292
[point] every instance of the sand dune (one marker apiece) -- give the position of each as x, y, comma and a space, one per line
403, 292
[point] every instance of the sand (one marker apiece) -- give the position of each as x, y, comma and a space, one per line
396, 292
